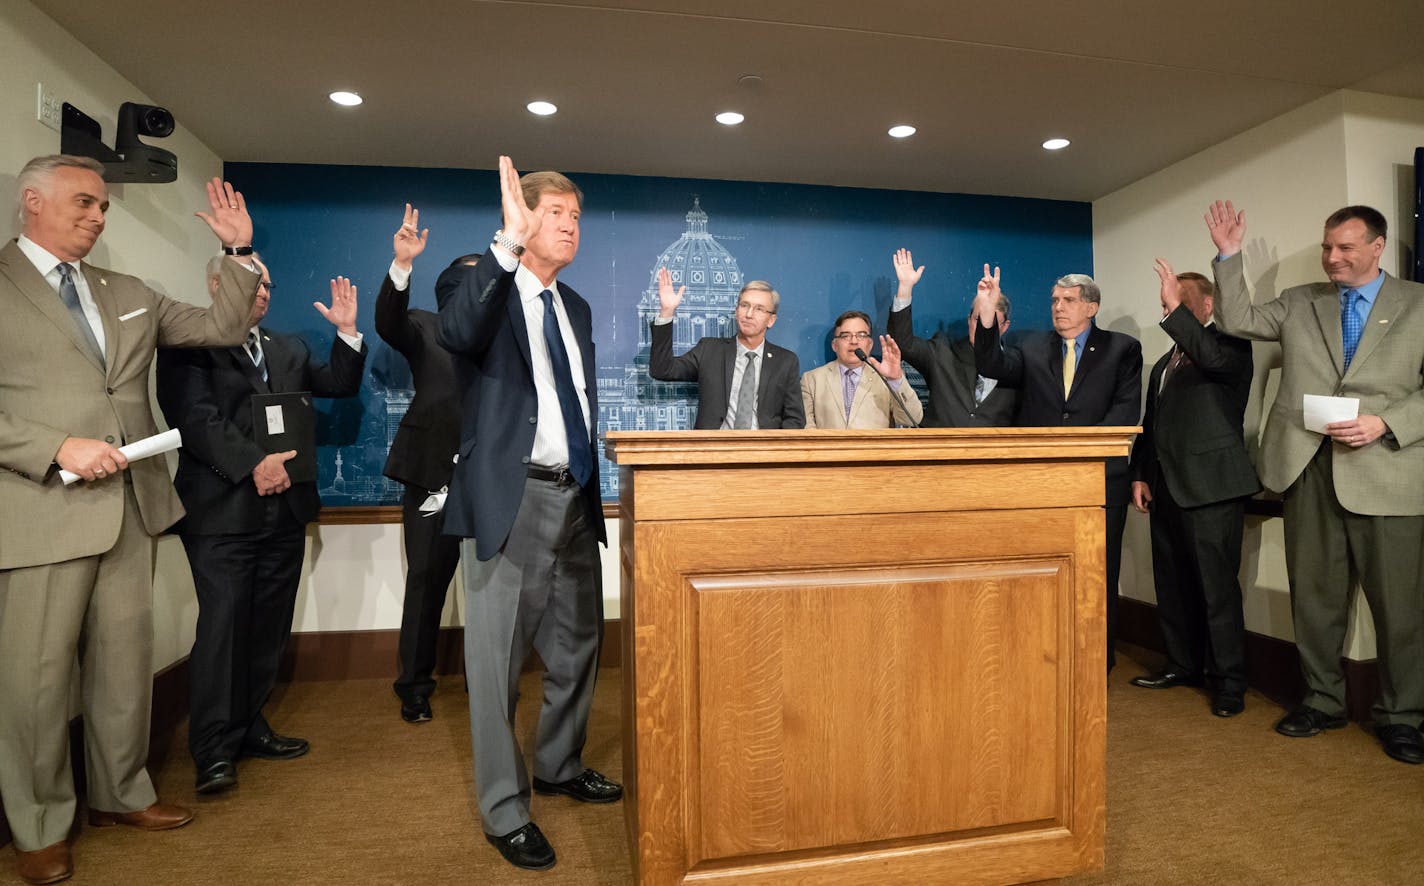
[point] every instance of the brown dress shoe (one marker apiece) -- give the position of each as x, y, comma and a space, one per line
157, 817
48, 865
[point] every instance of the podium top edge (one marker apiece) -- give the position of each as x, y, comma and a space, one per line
685, 448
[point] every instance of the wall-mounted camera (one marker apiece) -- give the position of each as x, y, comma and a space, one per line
130, 160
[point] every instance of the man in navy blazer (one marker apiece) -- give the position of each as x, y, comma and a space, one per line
1075, 376
525, 500
719, 365
1190, 466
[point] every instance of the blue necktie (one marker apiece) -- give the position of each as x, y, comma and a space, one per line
1350, 323
254, 351
580, 453
69, 294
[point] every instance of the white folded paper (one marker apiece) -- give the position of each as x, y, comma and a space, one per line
155, 445
1321, 411
434, 503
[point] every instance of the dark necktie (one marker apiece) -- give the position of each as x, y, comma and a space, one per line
746, 395
1350, 324
254, 350
1179, 357
580, 453
69, 294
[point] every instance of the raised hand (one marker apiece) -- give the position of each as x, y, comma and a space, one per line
270, 475
520, 222
1171, 286
342, 313
986, 297
1226, 226
409, 240
906, 272
889, 362
668, 300
228, 219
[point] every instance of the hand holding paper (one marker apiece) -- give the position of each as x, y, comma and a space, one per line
155, 445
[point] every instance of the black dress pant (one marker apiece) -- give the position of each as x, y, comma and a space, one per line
1196, 556
247, 592
1116, 519
431, 558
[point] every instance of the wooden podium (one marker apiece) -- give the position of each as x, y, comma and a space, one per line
863, 657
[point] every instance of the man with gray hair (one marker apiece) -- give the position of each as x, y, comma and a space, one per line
722, 367
76, 564
1077, 375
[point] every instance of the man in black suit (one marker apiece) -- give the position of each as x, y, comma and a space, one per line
720, 365
959, 396
1077, 375
1191, 467
525, 500
245, 532
422, 458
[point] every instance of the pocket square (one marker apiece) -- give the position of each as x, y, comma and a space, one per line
132, 314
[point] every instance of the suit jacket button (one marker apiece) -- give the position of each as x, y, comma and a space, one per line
525, 460
110, 391
533, 419
1065, 416
109, 439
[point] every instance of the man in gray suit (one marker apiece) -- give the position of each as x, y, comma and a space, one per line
720, 366
1354, 495
76, 562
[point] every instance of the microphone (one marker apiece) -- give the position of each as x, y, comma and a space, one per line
861, 355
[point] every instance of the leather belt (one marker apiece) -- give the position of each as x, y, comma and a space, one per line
559, 477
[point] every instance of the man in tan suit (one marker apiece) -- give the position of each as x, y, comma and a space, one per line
76, 562
849, 393
1354, 494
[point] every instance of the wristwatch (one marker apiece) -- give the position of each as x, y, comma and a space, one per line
237, 250
504, 241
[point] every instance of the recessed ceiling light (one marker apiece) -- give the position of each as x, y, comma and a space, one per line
730, 118
543, 109
1056, 144
902, 131
349, 99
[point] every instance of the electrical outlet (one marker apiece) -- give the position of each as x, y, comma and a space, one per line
48, 108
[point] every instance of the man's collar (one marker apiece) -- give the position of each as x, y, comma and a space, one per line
529, 284
1369, 290
43, 260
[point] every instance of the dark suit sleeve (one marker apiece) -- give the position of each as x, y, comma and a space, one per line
473, 304
991, 360
1143, 453
1220, 357
185, 393
393, 322
1126, 408
916, 351
663, 366
793, 410
341, 375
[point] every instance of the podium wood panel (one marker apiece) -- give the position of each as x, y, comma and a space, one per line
863, 670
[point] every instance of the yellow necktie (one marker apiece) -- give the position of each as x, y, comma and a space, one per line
1069, 365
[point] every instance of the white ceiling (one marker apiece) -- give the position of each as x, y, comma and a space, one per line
1136, 84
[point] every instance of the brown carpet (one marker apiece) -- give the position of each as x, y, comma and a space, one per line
1191, 799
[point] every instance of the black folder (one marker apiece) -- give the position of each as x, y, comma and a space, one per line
287, 421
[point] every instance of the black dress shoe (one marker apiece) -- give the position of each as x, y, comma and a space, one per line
216, 777
274, 747
1306, 721
1402, 742
1227, 704
1166, 680
525, 848
590, 786
416, 710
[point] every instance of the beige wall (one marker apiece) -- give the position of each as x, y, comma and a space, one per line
1288, 174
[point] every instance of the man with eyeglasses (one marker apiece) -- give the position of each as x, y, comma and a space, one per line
849, 392
1075, 375
245, 532
744, 382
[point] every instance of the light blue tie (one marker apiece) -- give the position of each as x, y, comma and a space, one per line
1350, 323
69, 294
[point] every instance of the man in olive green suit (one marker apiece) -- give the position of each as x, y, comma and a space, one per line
76, 561
1354, 493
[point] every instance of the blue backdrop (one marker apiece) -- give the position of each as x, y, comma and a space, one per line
825, 249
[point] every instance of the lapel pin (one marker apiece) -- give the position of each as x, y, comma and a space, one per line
1092, 349
103, 281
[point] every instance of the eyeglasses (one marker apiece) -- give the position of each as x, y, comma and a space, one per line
747, 307
853, 336
267, 285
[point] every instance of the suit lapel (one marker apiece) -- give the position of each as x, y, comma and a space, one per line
240, 359
28, 280
1055, 363
99, 291
967, 374
1091, 357
729, 363
1387, 307
1327, 313
519, 326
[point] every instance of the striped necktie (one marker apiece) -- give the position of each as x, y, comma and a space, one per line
69, 294
254, 350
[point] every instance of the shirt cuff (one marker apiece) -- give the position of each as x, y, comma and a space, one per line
353, 340
507, 260
899, 304
399, 276
895, 383
661, 321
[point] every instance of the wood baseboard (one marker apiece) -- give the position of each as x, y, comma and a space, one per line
1272, 664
